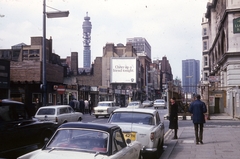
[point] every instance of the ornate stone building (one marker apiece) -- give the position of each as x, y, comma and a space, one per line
221, 57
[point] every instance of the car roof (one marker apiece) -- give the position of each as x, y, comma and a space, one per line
106, 102
139, 110
55, 106
98, 126
9, 101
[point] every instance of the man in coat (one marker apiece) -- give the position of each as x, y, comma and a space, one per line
197, 109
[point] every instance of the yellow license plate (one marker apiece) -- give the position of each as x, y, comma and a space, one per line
131, 136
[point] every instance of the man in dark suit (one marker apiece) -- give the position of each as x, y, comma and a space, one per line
197, 109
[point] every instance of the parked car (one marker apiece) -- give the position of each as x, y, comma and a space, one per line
19, 131
143, 125
147, 103
159, 103
58, 113
105, 108
87, 140
135, 104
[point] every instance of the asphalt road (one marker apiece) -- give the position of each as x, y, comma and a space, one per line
162, 112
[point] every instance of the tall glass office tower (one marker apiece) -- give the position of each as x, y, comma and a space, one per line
87, 27
190, 75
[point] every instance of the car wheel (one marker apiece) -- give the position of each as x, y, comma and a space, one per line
79, 119
96, 116
162, 144
156, 154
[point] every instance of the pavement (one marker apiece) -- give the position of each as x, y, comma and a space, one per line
219, 142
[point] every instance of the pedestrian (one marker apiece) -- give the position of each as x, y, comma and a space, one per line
90, 107
81, 106
197, 109
86, 110
173, 117
71, 103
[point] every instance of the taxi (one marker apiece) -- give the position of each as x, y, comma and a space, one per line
143, 125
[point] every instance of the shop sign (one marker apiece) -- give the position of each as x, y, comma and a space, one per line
214, 78
60, 89
93, 89
103, 90
73, 87
218, 95
117, 91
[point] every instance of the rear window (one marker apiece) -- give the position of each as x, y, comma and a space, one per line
129, 117
46, 111
12, 112
104, 104
160, 101
133, 104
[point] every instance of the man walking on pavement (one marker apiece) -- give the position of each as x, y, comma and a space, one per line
197, 109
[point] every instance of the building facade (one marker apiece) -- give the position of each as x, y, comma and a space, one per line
26, 72
221, 45
141, 46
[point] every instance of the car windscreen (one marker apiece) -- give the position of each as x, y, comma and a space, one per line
46, 111
80, 140
132, 117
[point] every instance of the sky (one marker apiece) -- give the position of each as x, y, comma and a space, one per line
171, 27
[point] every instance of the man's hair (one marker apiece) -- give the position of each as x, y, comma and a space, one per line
173, 98
198, 96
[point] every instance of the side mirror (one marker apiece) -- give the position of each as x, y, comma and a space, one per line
128, 141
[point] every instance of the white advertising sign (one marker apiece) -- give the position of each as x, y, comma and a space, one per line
123, 70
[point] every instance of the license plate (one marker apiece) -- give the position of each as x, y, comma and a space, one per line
131, 136
100, 110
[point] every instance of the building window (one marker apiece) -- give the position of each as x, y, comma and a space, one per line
204, 31
50, 100
204, 45
25, 54
205, 61
205, 76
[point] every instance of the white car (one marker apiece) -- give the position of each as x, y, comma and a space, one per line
77, 140
105, 108
135, 104
159, 103
143, 125
147, 103
58, 113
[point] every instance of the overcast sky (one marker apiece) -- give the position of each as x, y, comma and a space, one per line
172, 27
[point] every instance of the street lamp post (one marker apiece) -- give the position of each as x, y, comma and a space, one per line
49, 15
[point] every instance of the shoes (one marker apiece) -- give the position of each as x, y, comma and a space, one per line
201, 142
197, 143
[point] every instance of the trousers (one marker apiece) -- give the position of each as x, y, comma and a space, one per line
198, 132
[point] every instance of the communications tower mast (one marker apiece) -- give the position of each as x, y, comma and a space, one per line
87, 27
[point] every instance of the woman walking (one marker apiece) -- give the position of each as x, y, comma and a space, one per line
173, 117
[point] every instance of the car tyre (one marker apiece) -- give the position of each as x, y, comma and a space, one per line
80, 119
96, 116
157, 154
